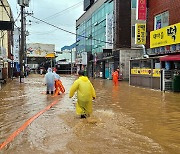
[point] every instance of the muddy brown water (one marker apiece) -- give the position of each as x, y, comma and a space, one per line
125, 119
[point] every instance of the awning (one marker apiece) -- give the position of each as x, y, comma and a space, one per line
170, 58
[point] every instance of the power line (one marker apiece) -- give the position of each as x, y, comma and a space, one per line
68, 31
56, 14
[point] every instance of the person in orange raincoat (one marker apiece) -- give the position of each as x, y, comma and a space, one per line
85, 94
115, 77
58, 84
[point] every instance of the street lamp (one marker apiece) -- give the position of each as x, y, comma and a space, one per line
71, 63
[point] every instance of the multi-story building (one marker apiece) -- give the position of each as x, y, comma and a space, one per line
104, 33
161, 70
6, 27
91, 32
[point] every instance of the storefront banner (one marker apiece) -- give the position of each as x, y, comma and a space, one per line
156, 72
140, 33
135, 71
141, 71
146, 71
165, 36
141, 10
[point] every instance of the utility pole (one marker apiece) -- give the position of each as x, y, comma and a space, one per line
21, 53
23, 4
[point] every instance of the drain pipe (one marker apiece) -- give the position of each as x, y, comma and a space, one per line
145, 55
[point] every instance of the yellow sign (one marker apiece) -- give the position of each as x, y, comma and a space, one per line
140, 34
141, 71
146, 71
135, 71
156, 72
165, 36
50, 55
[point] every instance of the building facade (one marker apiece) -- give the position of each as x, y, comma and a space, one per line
163, 44
103, 31
91, 34
6, 27
39, 55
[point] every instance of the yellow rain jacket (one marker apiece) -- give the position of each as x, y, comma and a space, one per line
85, 94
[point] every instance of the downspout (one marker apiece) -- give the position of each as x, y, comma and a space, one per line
145, 55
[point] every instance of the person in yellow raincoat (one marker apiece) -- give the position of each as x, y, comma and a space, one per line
85, 94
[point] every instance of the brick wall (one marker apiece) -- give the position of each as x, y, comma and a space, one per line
156, 7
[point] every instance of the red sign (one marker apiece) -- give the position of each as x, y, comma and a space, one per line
141, 10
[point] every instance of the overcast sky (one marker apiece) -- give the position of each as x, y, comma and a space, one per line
61, 13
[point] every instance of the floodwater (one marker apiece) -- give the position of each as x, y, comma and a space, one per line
125, 120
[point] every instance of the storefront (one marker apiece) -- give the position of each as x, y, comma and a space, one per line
162, 69
170, 73
145, 73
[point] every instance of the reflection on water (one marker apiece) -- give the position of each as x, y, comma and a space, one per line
125, 119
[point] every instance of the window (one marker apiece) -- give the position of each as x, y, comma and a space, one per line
133, 3
133, 31
161, 20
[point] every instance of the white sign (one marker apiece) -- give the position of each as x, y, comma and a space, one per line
16, 45
109, 31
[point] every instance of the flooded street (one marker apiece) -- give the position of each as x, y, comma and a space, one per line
125, 119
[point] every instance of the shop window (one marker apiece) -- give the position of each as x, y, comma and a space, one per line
146, 64
135, 64
156, 64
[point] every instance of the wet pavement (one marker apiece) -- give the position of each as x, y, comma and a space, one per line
125, 119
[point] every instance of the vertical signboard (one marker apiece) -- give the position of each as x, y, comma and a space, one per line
109, 31
140, 33
16, 45
141, 10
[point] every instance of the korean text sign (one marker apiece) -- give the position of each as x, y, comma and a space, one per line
141, 10
165, 36
140, 34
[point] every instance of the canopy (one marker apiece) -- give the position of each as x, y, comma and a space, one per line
170, 58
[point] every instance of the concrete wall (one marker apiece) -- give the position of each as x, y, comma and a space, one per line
124, 57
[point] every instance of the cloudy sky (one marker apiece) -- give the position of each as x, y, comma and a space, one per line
61, 13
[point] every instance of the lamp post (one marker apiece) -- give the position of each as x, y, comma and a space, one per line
71, 63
